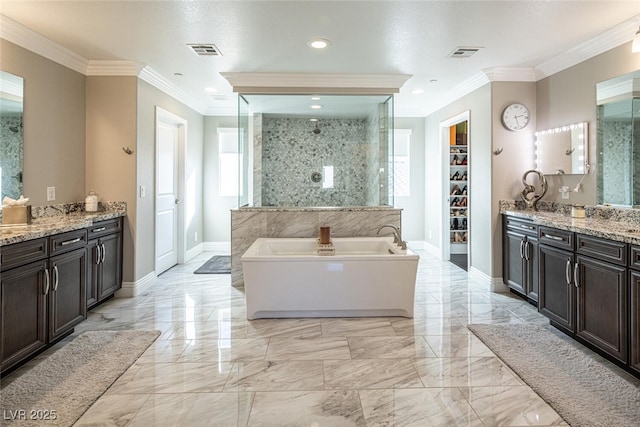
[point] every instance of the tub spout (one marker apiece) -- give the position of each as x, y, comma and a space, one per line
397, 235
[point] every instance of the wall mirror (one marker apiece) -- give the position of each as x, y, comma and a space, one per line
618, 140
11, 135
563, 150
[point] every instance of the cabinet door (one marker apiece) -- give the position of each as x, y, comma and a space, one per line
602, 305
93, 261
557, 297
24, 312
531, 269
67, 298
110, 265
513, 263
634, 321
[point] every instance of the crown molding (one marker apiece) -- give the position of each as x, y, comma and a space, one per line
318, 83
612, 38
466, 87
156, 80
511, 74
28, 39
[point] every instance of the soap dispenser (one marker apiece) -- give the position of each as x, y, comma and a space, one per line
91, 202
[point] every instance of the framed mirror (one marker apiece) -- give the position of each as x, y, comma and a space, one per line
563, 150
11, 135
618, 140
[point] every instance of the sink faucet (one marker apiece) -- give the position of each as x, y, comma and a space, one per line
397, 236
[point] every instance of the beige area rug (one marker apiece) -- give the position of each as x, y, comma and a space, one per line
585, 392
59, 389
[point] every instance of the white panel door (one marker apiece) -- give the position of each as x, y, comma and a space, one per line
168, 135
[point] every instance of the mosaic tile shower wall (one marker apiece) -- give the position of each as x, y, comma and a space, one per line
292, 153
11, 153
616, 166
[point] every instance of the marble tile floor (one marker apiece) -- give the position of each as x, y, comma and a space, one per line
212, 367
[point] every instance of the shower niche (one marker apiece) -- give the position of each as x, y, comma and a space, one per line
308, 150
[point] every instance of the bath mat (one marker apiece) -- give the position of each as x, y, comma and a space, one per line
59, 389
217, 264
585, 392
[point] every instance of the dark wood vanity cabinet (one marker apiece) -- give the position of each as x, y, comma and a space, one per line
520, 256
104, 251
557, 299
634, 310
44, 284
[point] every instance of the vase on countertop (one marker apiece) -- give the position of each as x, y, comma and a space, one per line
91, 202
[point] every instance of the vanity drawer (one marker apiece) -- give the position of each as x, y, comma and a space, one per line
604, 250
103, 228
65, 242
521, 225
634, 257
561, 239
23, 253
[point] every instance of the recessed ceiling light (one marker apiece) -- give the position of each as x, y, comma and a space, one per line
318, 43
316, 106
417, 91
211, 89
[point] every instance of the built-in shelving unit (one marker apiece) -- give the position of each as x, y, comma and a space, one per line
458, 189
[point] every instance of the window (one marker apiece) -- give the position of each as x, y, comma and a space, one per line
229, 179
401, 162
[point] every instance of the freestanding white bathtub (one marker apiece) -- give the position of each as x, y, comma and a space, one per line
367, 276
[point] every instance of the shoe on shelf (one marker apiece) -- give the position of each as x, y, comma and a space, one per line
454, 201
464, 190
455, 212
464, 224
463, 177
455, 176
456, 161
465, 236
455, 191
462, 202
456, 224
463, 161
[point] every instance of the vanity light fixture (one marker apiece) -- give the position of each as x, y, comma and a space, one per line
318, 43
635, 46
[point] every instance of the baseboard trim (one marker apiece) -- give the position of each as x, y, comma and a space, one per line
222, 248
132, 289
494, 284
193, 252
432, 250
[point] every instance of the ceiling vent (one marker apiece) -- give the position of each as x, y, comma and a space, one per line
205, 49
463, 51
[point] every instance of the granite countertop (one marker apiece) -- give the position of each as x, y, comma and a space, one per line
607, 228
50, 225
313, 208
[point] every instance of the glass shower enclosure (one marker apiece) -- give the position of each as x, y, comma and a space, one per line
308, 150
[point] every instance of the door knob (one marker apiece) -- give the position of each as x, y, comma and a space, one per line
177, 201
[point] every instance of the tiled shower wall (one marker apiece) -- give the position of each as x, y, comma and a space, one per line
616, 149
11, 154
292, 152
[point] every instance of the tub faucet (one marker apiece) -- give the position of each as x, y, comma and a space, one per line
397, 235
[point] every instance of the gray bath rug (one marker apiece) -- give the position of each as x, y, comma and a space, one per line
59, 389
217, 264
584, 391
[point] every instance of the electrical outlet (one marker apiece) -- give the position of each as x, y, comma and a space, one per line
195, 239
51, 194
564, 190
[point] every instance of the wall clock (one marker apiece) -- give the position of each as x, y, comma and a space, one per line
515, 117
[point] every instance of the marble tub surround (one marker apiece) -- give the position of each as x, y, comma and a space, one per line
211, 366
619, 224
54, 219
248, 224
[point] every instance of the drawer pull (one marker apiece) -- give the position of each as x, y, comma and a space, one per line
567, 272
68, 242
552, 237
97, 230
46, 281
528, 227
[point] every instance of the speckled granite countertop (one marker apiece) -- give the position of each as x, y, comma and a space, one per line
314, 209
54, 224
609, 223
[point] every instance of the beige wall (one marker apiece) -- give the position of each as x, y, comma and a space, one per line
54, 125
111, 125
148, 97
